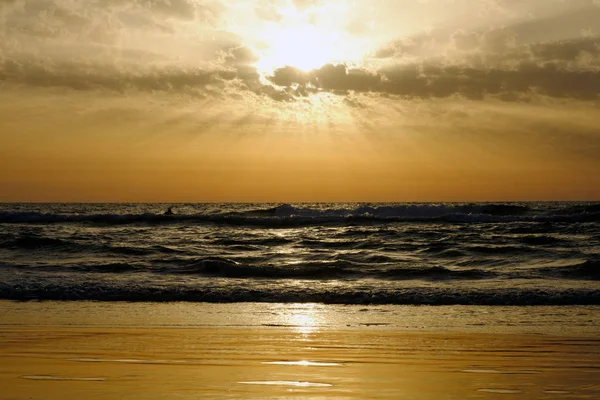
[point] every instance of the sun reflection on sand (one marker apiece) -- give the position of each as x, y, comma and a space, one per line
304, 363
303, 318
288, 383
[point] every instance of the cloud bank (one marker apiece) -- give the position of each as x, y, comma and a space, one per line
183, 46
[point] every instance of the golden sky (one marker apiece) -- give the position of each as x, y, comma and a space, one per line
299, 100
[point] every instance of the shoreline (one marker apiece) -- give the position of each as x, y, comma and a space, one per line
552, 320
74, 350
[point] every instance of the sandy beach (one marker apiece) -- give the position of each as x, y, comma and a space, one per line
49, 350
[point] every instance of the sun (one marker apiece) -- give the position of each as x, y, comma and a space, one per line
305, 39
304, 47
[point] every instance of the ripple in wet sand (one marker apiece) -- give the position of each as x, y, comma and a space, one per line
502, 391
60, 378
495, 371
287, 383
303, 363
127, 360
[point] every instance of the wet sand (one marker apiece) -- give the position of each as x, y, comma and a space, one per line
46, 358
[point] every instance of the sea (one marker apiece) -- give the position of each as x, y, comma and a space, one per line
535, 253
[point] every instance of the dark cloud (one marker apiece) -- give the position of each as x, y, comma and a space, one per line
183, 9
239, 55
236, 73
567, 50
466, 41
416, 46
340, 78
539, 71
330, 77
54, 18
508, 73
80, 76
558, 21
559, 26
427, 81
288, 76
239, 60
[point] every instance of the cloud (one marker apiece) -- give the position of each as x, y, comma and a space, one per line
539, 69
119, 46
567, 50
80, 76
542, 70
266, 10
527, 78
180, 46
184, 9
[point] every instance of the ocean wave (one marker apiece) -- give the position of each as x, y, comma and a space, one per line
589, 208
436, 273
587, 269
33, 242
117, 267
443, 265
498, 249
410, 296
370, 267
225, 268
290, 216
268, 241
45, 243
540, 240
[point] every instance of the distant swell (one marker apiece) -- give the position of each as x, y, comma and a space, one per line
288, 216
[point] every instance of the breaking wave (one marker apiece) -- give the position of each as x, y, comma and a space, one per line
381, 268
410, 296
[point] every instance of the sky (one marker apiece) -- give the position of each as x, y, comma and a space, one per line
299, 100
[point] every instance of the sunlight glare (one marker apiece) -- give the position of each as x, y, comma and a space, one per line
303, 47
307, 39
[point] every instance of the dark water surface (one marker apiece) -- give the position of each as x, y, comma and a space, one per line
478, 253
